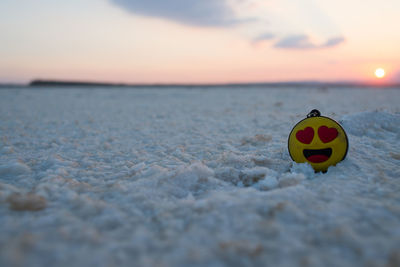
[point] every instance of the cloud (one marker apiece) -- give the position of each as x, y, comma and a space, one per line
333, 42
204, 13
264, 37
295, 42
250, 13
303, 41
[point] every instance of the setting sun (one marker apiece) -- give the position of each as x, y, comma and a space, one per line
379, 73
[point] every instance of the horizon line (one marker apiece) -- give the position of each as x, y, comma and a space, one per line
88, 83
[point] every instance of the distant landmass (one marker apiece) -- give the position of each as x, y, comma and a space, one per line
61, 83
72, 83
298, 84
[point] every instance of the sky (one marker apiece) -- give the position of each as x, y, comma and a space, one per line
199, 41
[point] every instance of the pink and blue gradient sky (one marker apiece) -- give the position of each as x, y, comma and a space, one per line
199, 41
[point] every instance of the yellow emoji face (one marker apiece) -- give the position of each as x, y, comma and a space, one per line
318, 140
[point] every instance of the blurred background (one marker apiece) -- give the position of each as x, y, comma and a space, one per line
200, 41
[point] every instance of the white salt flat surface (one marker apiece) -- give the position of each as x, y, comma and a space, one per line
195, 177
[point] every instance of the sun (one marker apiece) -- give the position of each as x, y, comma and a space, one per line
379, 73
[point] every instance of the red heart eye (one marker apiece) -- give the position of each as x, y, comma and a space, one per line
327, 134
305, 136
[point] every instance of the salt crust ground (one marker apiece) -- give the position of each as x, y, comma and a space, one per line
196, 177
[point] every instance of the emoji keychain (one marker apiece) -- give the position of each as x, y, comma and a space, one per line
318, 140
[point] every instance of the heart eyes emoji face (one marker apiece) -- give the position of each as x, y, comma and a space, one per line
320, 141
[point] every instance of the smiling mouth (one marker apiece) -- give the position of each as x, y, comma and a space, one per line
317, 155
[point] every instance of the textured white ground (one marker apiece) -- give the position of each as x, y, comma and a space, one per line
195, 177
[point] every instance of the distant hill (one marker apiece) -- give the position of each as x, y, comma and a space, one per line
302, 84
71, 83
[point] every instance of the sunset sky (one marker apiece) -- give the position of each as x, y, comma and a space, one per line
199, 41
